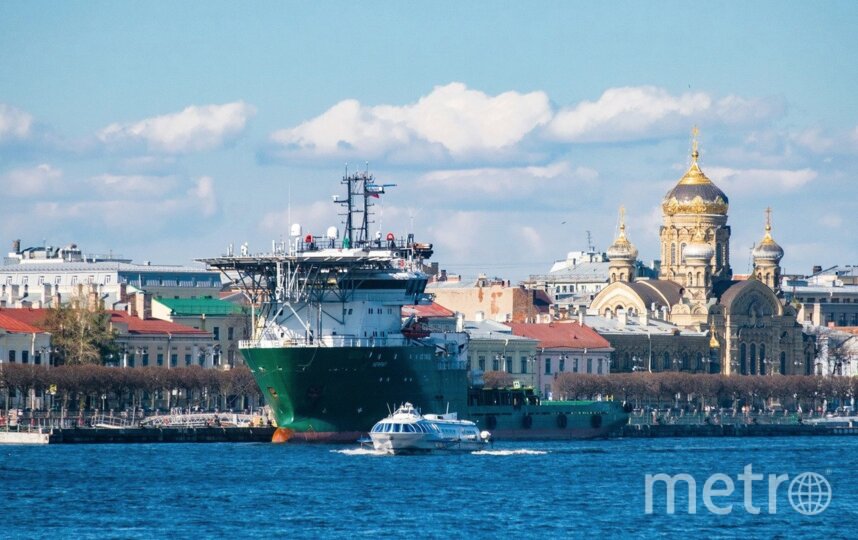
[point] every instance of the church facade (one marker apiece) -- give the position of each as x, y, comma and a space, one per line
751, 330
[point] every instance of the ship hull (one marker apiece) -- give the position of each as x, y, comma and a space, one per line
336, 394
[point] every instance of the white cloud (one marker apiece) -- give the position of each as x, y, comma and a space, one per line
452, 121
14, 123
34, 181
113, 185
196, 128
832, 221
743, 181
203, 194
499, 183
648, 112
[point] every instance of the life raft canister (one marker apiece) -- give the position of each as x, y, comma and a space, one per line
527, 421
561, 420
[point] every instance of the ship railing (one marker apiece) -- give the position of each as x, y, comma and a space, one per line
316, 243
326, 341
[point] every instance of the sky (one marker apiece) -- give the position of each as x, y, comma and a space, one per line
165, 131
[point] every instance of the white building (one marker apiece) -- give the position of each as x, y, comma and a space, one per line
36, 277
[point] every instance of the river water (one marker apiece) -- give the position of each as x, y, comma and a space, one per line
579, 489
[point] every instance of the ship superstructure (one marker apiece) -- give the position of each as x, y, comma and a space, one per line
329, 348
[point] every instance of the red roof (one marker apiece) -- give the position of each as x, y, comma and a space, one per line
136, 325
432, 310
13, 325
27, 316
34, 318
561, 335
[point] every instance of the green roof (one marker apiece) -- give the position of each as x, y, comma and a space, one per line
200, 306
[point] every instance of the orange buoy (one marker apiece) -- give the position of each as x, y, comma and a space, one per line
281, 435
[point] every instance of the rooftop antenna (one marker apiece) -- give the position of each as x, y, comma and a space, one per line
590, 247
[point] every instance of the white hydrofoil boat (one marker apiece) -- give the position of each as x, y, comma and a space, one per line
406, 431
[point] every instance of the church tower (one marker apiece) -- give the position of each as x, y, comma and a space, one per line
767, 257
622, 255
695, 202
698, 257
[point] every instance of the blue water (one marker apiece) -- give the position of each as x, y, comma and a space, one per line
586, 489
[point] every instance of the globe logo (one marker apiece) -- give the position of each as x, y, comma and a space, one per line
809, 493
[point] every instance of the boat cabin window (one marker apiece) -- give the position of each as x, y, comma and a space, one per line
409, 428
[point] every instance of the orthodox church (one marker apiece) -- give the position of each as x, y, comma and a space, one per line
751, 331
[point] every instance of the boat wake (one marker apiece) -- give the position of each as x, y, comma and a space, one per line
519, 452
359, 452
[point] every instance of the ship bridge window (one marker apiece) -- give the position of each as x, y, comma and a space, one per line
409, 428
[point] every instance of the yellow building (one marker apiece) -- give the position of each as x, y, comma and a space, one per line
751, 330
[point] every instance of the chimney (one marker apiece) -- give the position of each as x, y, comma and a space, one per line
443, 276
582, 315
479, 316
16, 247
143, 305
12, 294
92, 298
622, 318
643, 319
460, 322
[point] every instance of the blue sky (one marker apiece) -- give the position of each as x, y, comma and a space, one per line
166, 130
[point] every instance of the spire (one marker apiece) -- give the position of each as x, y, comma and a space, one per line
713, 341
694, 153
768, 224
622, 248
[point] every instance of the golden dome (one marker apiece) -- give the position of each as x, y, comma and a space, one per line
695, 193
622, 248
768, 249
713, 340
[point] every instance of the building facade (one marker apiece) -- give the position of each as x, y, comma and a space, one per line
751, 330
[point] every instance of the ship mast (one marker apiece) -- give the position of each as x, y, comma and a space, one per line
360, 188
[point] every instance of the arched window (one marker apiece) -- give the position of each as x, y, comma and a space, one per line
753, 358
699, 279
699, 365
762, 358
743, 361
672, 254
666, 361
783, 363
685, 363
682, 252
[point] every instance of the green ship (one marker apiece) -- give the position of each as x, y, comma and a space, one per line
332, 355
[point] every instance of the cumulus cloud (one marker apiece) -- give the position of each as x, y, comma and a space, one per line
491, 183
648, 112
114, 185
453, 121
196, 128
203, 194
33, 181
743, 181
14, 123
